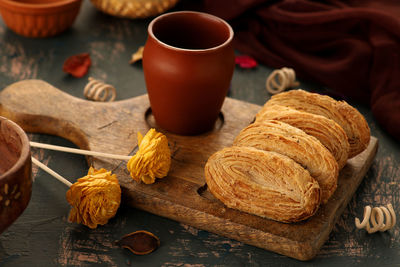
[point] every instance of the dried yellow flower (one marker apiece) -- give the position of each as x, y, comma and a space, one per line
94, 198
153, 158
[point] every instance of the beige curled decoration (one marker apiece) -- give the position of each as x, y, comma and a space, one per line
377, 216
280, 80
99, 91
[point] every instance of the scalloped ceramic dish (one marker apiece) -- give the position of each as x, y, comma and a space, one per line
39, 18
133, 9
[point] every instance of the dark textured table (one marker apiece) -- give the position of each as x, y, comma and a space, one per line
42, 236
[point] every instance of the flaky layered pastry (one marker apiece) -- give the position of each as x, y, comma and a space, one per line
328, 132
352, 122
263, 183
280, 137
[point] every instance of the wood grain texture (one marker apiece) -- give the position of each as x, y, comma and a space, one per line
112, 127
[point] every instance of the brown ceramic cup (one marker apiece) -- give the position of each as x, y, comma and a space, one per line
188, 62
15, 172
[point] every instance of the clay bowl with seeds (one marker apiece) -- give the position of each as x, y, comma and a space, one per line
15, 172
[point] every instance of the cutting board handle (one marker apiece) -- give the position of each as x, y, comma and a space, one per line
39, 107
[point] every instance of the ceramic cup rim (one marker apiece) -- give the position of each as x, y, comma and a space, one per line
225, 43
25, 149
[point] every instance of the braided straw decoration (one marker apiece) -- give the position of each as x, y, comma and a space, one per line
280, 80
133, 8
99, 91
377, 217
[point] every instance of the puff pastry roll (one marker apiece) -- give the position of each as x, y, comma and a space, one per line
280, 137
328, 132
352, 122
263, 183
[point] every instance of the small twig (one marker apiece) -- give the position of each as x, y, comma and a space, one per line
79, 151
51, 172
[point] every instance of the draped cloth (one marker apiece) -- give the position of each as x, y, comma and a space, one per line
352, 47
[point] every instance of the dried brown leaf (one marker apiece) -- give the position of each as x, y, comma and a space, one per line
140, 242
138, 55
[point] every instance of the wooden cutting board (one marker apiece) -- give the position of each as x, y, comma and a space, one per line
182, 196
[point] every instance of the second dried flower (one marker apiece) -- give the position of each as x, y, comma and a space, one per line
153, 159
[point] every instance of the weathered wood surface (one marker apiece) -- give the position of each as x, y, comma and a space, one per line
112, 127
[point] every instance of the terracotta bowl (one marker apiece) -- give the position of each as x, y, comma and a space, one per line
15, 172
39, 18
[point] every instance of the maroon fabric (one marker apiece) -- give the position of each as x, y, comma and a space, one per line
352, 47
